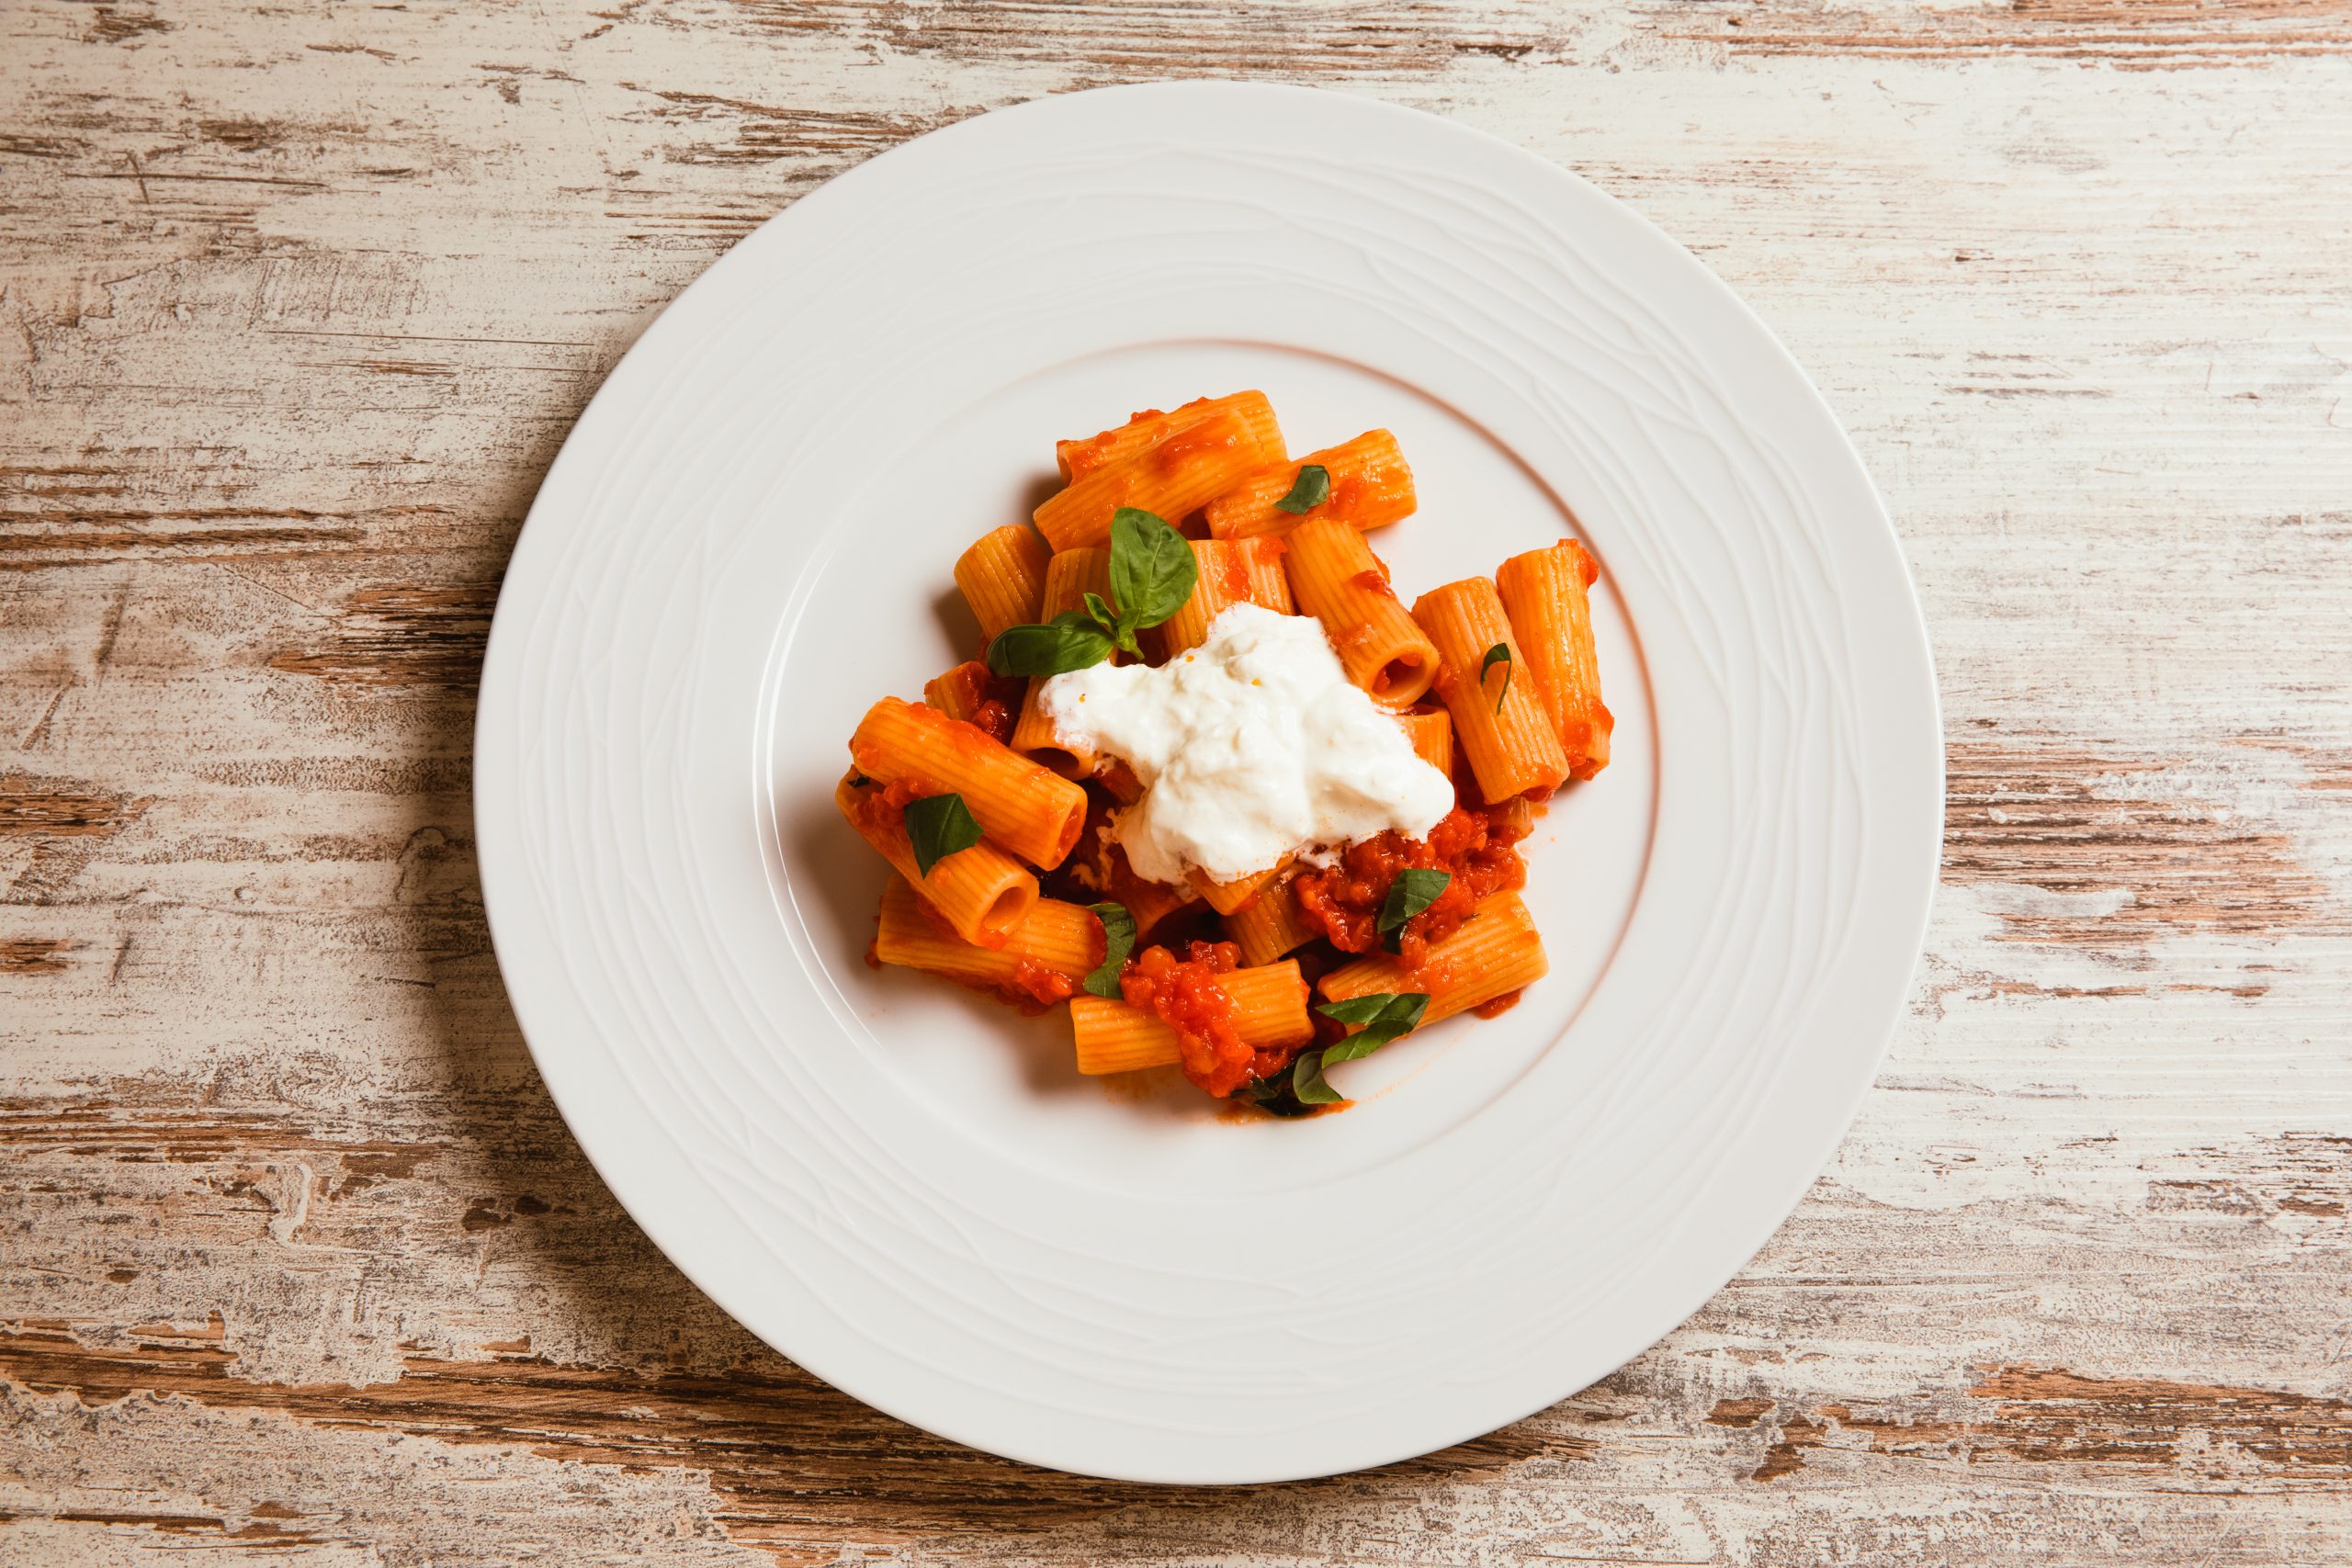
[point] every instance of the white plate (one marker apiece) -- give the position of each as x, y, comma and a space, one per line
909, 1192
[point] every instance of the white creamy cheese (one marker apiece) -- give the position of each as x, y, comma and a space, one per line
1252, 747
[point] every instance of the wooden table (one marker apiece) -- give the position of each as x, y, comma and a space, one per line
299, 1258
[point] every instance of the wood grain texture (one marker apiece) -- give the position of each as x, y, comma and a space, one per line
296, 305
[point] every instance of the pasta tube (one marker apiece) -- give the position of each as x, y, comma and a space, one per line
982, 893
1432, 732
1269, 1009
1268, 926
1489, 955
1231, 573
1062, 941
972, 695
957, 692
1119, 780
1172, 477
1070, 576
1149, 902
1498, 718
1003, 577
1269, 583
1371, 487
1025, 810
1341, 583
1545, 594
1222, 581
1227, 897
1078, 459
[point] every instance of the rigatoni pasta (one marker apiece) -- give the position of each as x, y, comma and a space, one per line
982, 893
1014, 811
1172, 477
1492, 954
1268, 925
1261, 558
1546, 595
1023, 807
1369, 486
1003, 577
1042, 961
1269, 1009
1431, 729
1078, 459
1070, 576
1224, 581
971, 694
1500, 724
1229, 896
1341, 583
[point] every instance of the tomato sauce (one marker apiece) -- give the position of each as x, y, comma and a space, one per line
1040, 984
992, 699
1186, 996
1476, 846
1372, 583
1220, 434
878, 808
1235, 574
1084, 457
1350, 640
1349, 499
1499, 1005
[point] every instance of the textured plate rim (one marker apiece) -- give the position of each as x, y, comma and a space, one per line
649, 1209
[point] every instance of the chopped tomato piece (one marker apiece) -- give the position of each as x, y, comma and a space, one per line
1474, 846
1186, 996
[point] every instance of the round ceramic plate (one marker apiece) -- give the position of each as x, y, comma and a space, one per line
908, 1189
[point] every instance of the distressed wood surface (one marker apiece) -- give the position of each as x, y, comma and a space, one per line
296, 305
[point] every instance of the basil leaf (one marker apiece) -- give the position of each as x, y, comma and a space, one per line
1153, 568
1121, 629
1118, 941
1356, 1010
1414, 890
1306, 1082
1309, 491
1069, 641
1275, 1096
938, 826
1499, 654
1384, 1016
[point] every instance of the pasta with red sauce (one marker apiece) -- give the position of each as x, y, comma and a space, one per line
1015, 833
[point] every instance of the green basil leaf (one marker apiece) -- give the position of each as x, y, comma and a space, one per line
1356, 1010
1392, 1015
1069, 641
1121, 627
1118, 941
1152, 568
1309, 491
938, 826
1414, 890
1499, 654
1306, 1082
1275, 1096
